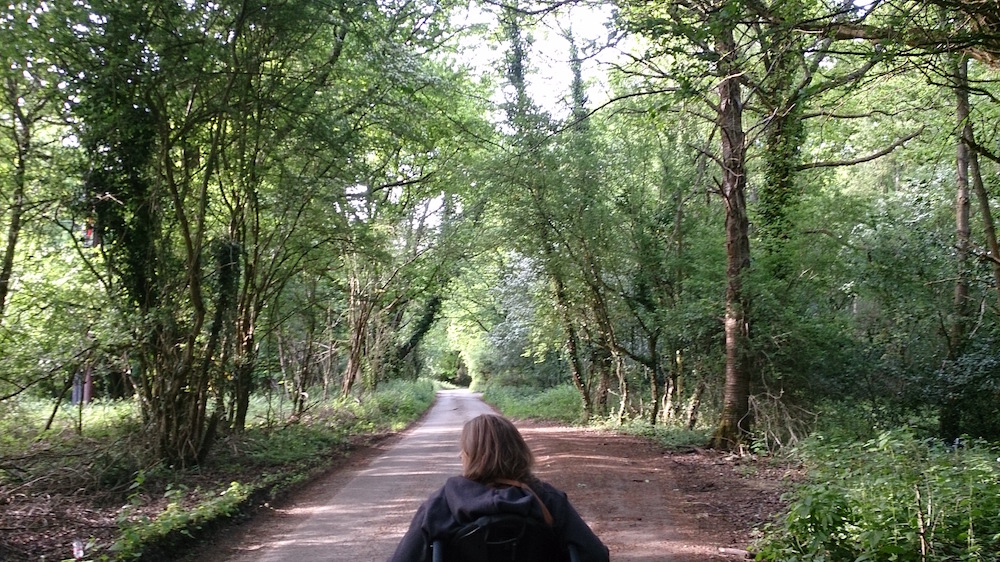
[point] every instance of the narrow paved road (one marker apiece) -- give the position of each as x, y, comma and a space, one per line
623, 486
366, 518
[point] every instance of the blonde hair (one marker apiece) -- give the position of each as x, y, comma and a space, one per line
494, 450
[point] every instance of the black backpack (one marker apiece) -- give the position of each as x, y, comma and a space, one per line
503, 538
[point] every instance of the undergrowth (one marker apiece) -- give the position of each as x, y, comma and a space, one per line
281, 457
891, 498
98, 451
560, 403
666, 435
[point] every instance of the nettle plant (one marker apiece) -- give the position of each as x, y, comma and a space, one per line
892, 498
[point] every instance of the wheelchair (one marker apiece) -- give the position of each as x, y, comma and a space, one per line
503, 538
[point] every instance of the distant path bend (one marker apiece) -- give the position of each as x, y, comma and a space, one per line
365, 519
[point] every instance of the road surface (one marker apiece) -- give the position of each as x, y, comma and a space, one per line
365, 519
624, 487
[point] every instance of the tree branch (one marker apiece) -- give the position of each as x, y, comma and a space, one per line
980, 46
863, 159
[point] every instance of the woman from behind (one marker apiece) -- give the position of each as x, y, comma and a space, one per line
496, 480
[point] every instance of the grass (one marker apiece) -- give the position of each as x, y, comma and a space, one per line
668, 436
23, 419
561, 403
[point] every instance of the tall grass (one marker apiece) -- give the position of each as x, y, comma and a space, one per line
893, 498
23, 419
560, 403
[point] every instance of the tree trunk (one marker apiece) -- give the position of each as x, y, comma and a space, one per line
989, 226
962, 205
599, 369
950, 415
359, 311
23, 145
656, 382
428, 316
694, 404
676, 384
734, 422
572, 346
778, 193
622, 385
245, 359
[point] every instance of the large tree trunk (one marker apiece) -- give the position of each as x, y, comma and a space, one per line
962, 229
734, 423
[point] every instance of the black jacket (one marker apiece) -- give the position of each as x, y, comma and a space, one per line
462, 501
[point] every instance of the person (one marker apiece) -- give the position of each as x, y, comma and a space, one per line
496, 478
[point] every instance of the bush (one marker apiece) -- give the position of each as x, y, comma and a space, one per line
894, 498
560, 403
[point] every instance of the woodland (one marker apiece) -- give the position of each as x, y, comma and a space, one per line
768, 221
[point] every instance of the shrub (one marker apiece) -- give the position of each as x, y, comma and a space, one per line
892, 498
394, 405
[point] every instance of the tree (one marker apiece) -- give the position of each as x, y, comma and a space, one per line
530, 190
711, 31
30, 116
237, 122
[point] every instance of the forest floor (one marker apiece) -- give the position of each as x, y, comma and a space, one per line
646, 502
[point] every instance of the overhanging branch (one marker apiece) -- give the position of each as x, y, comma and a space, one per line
862, 159
983, 46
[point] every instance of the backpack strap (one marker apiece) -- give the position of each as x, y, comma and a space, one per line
545, 510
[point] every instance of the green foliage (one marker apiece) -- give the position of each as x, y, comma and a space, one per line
293, 444
560, 403
395, 405
106, 435
442, 362
162, 508
327, 426
274, 197
893, 497
185, 512
970, 382
669, 436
